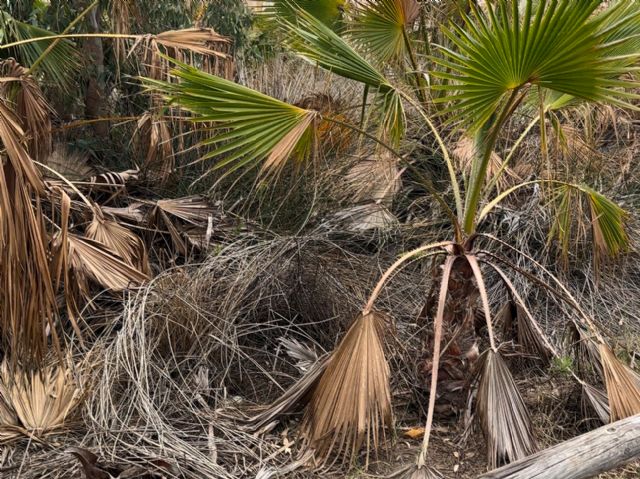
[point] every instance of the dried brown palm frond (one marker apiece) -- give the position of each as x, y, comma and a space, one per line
90, 260
30, 106
42, 400
502, 413
351, 404
413, 472
585, 350
331, 136
594, 400
11, 135
8, 418
155, 144
134, 212
293, 399
370, 216
61, 260
305, 356
195, 40
112, 182
122, 14
623, 388
530, 337
170, 214
466, 151
192, 209
27, 299
376, 178
180, 45
120, 240
70, 164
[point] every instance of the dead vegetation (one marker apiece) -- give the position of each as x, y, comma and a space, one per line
488, 294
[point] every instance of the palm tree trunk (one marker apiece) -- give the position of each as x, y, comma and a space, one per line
459, 340
95, 94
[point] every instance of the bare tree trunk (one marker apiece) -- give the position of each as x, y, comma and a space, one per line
582, 457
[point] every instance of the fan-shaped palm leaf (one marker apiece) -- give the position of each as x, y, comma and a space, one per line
380, 26
606, 220
58, 64
556, 45
314, 41
502, 413
352, 401
249, 127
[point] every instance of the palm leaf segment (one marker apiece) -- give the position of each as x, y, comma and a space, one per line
380, 26
249, 127
558, 45
317, 43
59, 64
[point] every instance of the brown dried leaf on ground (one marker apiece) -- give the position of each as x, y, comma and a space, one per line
41, 401
122, 241
91, 260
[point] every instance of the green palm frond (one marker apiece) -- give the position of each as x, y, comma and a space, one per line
607, 222
58, 65
249, 127
317, 43
557, 45
581, 210
379, 26
620, 28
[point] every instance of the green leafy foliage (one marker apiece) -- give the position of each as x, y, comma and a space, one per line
579, 210
249, 127
380, 26
557, 45
58, 65
329, 12
314, 41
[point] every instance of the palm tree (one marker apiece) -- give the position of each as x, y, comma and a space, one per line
493, 61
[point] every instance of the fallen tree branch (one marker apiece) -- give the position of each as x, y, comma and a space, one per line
585, 456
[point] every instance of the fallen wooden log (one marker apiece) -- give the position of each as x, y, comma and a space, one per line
582, 457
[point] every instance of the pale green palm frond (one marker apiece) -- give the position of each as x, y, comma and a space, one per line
557, 45
380, 27
620, 29
249, 127
58, 65
581, 212
314, 41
